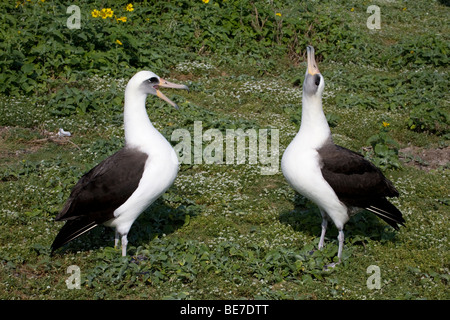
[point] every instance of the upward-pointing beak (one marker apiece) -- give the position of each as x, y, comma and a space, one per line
312, 65
166, 84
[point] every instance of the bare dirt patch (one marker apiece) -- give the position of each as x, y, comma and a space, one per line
20, 146
425, 159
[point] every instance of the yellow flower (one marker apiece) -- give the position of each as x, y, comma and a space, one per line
352, 9
21, 3
109, 12
122, 19
106, 13
205, 1
118, 42
102, 14
412, 51
129, 7
278, 14
404, 9
95, 13
386, 124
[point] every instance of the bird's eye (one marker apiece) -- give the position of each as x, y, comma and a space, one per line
153, 80
317, 80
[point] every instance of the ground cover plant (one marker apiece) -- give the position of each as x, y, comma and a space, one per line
224, 231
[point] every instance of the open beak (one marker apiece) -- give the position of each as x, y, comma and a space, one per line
312, 65
166, 84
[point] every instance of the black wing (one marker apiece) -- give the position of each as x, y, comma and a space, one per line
359, 183
99, 192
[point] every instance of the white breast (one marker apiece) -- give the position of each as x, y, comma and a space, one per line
301, 168
160, 171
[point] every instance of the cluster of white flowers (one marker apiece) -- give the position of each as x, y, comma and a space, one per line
212, 186
278, 92
192, 66
102, 83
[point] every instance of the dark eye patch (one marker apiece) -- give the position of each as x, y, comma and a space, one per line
153, 80
317, 80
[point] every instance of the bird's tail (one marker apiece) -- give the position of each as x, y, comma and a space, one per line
72, 230
388, 212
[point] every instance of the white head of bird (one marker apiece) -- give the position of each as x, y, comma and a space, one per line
313, 119
144, 83
313, 84
138, 126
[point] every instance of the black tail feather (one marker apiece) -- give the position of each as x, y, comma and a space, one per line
72, 230
388, 212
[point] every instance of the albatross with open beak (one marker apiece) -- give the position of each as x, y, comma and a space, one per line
121, 187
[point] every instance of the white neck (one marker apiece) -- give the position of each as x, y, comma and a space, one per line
139, 131
314, 129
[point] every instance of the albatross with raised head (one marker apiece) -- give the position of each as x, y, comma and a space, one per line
121, 187
339, 181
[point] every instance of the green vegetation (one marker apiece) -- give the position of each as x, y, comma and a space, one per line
224, 231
